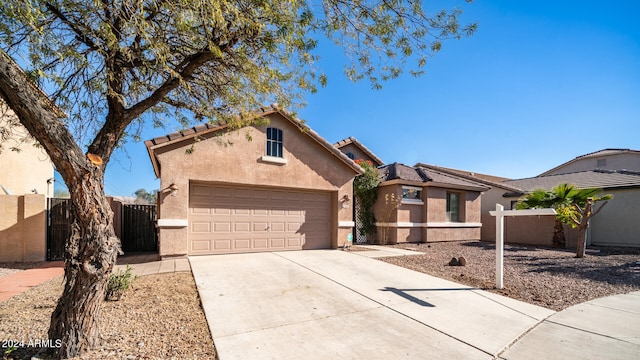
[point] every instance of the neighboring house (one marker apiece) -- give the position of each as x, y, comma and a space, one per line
356, 151
272, 187
433, 205
618, 224
26, 167
606, 159
26, 179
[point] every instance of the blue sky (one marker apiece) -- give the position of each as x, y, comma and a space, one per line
540, 83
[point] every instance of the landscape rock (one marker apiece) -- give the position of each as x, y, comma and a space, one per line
462, 261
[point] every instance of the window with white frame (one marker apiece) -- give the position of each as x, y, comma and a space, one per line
411, 195
453, 207
274, 142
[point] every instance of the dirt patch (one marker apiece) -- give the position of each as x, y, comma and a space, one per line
551, 278
160, 317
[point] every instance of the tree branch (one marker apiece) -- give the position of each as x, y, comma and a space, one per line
39, 117
81, 36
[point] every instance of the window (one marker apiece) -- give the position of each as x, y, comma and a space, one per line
351, 156
274, 142
411, 193
453, 207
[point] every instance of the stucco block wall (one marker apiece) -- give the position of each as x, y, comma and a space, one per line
22, 228
236, 157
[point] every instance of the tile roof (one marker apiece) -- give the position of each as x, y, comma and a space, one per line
604, 179
471, 175
397, 171
603, 152
490, 180
352, 140
202, 129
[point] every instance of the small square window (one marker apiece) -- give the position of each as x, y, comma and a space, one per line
602, 163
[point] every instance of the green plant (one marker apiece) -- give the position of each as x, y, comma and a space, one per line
365, 189
391, 204
118, 283
9, 350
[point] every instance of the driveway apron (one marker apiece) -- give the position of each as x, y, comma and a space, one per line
337, 305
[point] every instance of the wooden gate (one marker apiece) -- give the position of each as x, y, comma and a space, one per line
139, 228
58, 227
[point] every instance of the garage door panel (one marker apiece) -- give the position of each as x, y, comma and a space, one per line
224, 227
222, 244
201, 245
225, 219
200, 190
242, 227
277, 243
277, 226
261, 244
200, 227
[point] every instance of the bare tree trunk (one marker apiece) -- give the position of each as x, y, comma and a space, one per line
582, 241
90, 255
91, 252
558, 234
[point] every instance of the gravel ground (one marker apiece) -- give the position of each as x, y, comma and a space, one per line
10, 268
160, 317
551, 278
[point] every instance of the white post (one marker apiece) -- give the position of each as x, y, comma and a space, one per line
499, 246
500, 213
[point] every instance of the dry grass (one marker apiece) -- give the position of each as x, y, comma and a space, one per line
160, 317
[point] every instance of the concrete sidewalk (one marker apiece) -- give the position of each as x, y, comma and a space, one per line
141, 264
605, 328
338, 305
21, 281
377, 251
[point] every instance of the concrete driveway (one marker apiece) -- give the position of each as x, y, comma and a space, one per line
338, 305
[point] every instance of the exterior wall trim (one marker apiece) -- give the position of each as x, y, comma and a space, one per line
162, 223
346, 224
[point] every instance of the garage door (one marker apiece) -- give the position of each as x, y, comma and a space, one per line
231, 219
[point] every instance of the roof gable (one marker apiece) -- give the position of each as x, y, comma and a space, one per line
592, 155
353, 141
191, 134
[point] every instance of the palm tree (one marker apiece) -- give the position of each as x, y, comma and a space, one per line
574, 206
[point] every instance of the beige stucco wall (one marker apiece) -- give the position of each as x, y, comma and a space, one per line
427, 222
626, 161
27, 169
235, 157
618, 224
22, 228
490, 198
